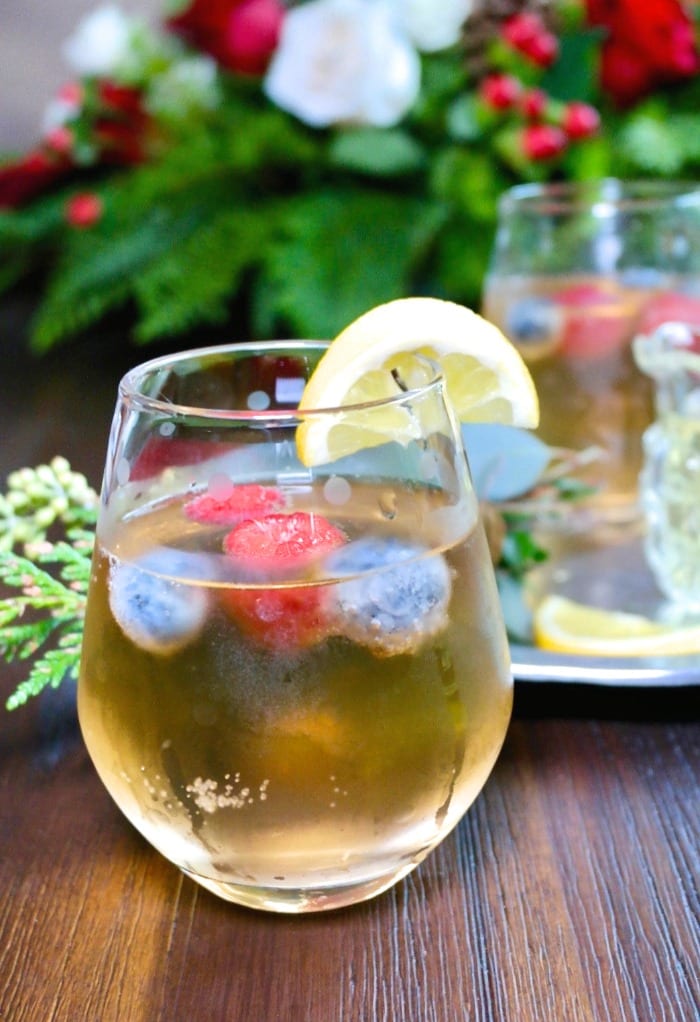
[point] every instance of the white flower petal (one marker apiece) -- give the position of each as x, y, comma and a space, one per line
343, 61
100, 42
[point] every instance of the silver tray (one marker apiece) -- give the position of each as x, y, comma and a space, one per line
609, 570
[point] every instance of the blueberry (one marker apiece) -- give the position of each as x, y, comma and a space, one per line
398, 598
158, 614
533, 320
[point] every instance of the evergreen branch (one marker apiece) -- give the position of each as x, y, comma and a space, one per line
41, 501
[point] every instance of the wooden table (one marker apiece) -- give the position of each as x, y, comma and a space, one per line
567, 894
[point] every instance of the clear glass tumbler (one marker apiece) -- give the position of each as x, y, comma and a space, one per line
577, 270
295, 678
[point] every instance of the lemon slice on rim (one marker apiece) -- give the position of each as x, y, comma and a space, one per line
565, 626
487, 380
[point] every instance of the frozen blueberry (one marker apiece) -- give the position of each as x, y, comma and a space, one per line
398, 598
158, 614
533, 320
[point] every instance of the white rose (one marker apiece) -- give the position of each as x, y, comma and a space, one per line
343, 61
432, 24
100, 43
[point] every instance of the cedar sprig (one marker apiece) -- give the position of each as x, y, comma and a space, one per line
43, 621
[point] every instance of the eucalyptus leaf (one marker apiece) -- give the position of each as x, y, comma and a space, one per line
505, 461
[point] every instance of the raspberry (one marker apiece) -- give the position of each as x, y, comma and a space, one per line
669, 307
270, 548
248, 500
597, 320
160, 452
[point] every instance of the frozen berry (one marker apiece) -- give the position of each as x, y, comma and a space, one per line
534, 324
274, 549
156, 612
398, 597
668, 307
249, 500
161, 452
597, 319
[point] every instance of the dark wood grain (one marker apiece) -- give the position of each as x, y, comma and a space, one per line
568, 892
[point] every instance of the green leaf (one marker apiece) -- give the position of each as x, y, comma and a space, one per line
574, 75
195, 280
652, 143
343, 252
378, 152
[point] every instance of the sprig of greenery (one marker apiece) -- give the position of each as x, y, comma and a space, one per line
47, 517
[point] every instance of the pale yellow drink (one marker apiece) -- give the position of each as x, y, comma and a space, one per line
282, 777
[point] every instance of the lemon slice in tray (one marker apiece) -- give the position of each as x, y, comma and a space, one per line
486, 379
565, 626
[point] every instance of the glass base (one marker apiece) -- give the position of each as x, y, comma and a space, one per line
294, 901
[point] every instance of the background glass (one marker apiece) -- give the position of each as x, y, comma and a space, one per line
294, 725
577, 270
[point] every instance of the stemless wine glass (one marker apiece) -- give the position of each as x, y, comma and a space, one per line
577, 270
295, 678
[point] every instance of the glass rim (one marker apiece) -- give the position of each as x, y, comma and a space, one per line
619, 194
129, 391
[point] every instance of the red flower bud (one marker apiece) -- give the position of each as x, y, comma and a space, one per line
253, 33
120, 98
526, 33
22, 180
533, 104
240, 34
543, 141
59, 139
71, 93
84, 209
520, 29
499, 91
543, 50
580, 120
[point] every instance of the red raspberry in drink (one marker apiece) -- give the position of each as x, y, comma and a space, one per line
596, 320
669, 307
270, 549
249, 500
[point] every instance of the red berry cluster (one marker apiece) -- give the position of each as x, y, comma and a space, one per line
527, 34
548, 126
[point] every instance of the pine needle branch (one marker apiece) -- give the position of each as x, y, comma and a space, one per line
43, 621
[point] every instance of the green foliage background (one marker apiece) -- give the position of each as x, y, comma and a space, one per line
302, 229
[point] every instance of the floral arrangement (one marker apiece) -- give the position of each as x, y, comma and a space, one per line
288, 165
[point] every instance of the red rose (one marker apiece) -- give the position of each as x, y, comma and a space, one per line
24, 179
241, 35
642, 50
